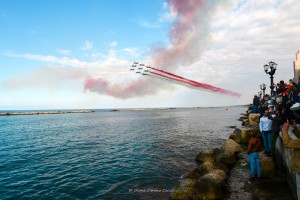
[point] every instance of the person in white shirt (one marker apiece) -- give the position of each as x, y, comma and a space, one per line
265, 126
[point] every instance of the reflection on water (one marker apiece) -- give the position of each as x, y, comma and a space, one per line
106, 155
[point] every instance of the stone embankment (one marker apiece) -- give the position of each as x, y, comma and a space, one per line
223, 173
44, 112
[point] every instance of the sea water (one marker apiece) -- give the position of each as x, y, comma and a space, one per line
128, 154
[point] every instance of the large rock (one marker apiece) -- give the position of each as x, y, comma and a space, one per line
207, 155
206, 168
245, 122
228, 152
246, 135
237, 131
236, 137
254, 118
226, 158
267, 165
231, 147
242, 117
213, 185
185, 190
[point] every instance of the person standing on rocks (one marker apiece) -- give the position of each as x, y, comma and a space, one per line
295, 162
256, 103
265, 126
254, 147
276, 122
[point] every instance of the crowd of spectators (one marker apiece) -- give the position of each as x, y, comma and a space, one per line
282, 106
285, 102
281, 109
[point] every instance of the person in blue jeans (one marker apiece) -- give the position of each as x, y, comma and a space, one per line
265, 126
254, 147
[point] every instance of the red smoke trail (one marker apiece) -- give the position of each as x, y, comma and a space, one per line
194, 83
171, 80
188, 34
188, 38
167, 77
136, 88
180, 77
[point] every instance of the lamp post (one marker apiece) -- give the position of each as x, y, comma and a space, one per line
259, 94
270, 69
263, 88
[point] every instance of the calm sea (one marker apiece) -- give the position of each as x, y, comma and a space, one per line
106, 155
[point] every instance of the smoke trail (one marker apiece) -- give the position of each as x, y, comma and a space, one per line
194, 83
172, 79
137, 88
168, 73
187, 36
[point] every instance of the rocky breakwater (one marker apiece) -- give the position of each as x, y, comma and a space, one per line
272, 185
209, 179
44, 112
220, 170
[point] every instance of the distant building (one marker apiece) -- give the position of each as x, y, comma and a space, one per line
297, 67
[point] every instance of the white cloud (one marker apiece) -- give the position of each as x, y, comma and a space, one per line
165, 5
113, 44
132, 51
243, 39
87, 45
46, 77
148, 24
110, 65
64, 52
168, 15
64, 61
243, 36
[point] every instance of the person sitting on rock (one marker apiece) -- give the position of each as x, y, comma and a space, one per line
293, 144
254, 147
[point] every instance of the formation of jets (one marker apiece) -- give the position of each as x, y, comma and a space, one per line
140, 68
143, 69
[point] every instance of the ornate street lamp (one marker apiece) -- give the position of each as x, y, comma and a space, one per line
270, 69
263, 88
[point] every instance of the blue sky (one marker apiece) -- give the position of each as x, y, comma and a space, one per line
48, 48
45, 26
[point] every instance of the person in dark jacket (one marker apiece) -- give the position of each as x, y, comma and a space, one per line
280, 88
256, 103
277, 121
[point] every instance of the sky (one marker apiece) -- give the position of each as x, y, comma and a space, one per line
77, 54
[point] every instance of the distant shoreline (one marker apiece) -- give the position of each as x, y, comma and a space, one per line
45, 112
